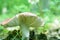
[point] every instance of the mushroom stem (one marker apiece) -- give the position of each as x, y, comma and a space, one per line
25, 32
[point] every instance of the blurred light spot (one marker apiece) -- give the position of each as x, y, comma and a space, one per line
33, 1
56, 22
31, 28
13, 28
4, 10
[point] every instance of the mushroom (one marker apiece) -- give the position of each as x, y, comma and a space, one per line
25, 21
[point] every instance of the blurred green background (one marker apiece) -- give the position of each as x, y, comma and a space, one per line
49, 10
9, 8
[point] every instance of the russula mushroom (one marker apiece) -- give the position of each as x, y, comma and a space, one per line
25, 21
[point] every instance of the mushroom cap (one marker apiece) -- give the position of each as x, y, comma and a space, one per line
30, 19
5, 21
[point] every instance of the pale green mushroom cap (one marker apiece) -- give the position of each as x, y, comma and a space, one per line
30, 19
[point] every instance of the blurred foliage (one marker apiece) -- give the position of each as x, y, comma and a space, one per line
3, 32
